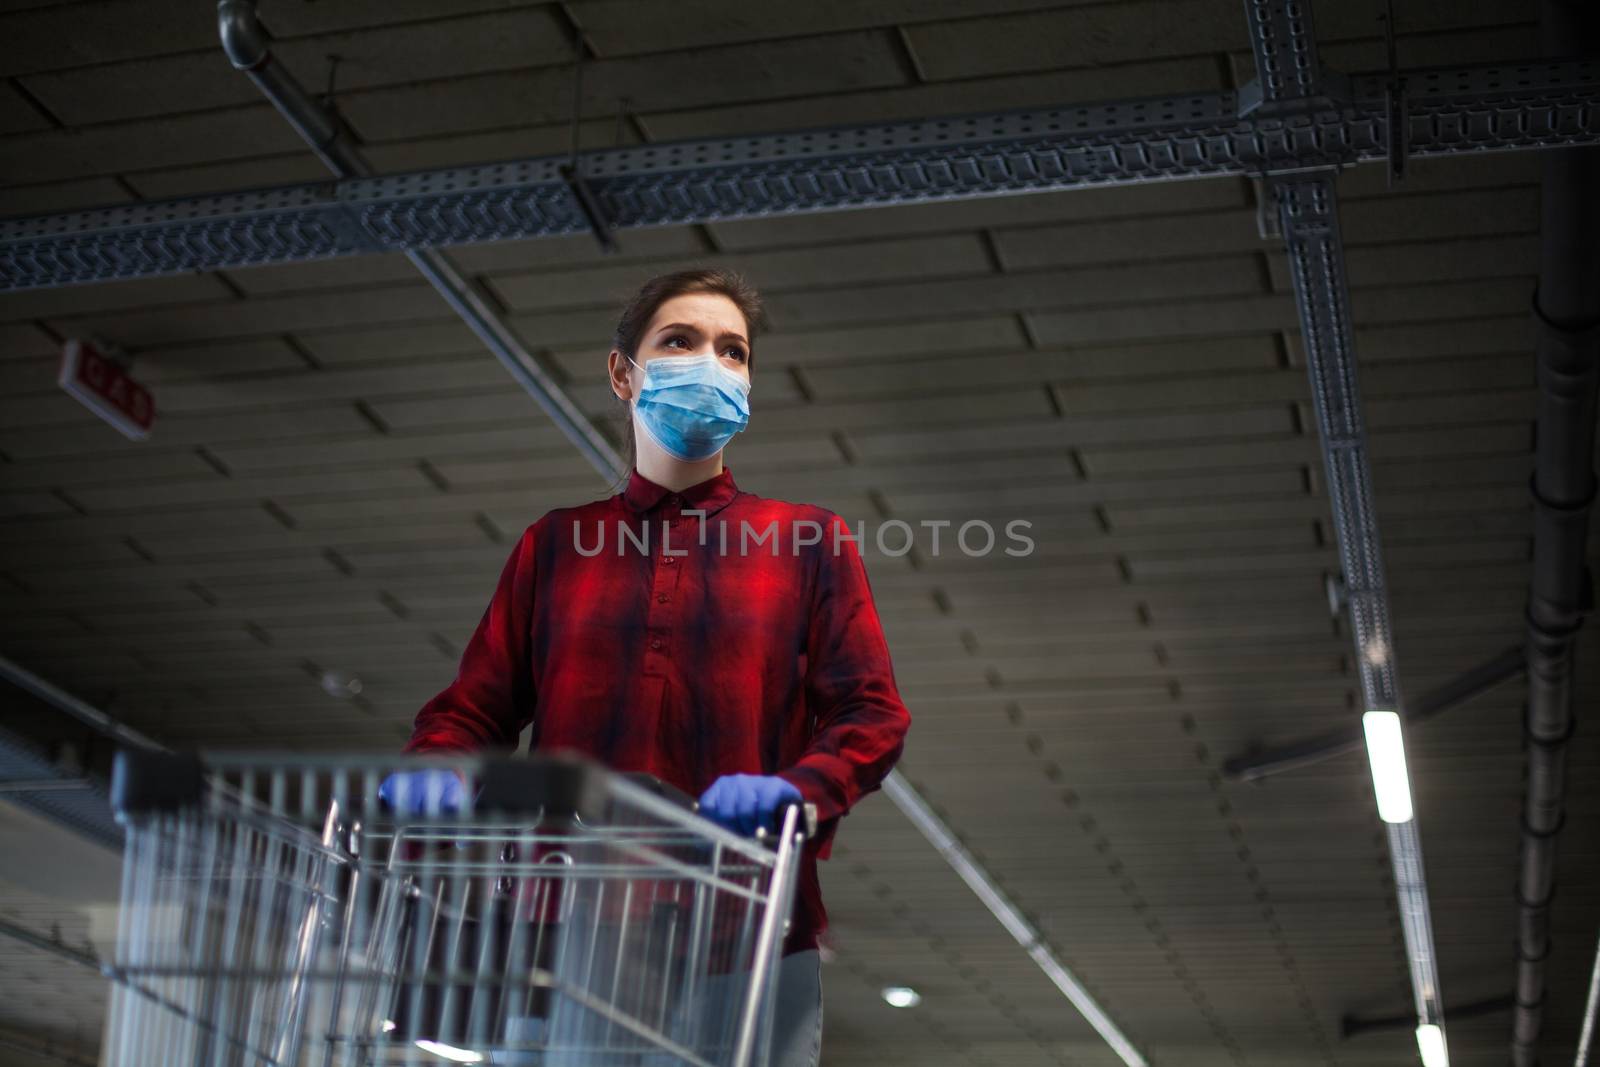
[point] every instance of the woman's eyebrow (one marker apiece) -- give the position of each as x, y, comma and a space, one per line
695, 329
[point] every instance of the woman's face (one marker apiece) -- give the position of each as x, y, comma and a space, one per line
695, 324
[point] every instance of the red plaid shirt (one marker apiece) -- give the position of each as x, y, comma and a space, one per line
685, 659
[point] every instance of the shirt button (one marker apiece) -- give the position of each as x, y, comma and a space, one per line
661, 598
668, 559
656, 643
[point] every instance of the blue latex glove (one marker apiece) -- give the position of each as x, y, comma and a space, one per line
742, 802
423, 792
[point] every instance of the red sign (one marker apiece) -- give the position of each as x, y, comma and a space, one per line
105, 389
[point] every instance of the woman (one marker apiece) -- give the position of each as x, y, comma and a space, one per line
721, 641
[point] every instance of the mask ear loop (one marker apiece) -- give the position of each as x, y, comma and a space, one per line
635, 401
633, 405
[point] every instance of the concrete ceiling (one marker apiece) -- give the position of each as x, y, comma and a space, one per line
338, 470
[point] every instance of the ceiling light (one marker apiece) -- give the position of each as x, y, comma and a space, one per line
450, 1052
341, 685
1430, 1042
388, 1026
1387, 753
900, 996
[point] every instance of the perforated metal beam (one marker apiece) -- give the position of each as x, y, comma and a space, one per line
1310, 226
1308, 214
1284, 48
1499, 107
1284, 44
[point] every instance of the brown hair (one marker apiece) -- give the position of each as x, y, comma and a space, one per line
644, 304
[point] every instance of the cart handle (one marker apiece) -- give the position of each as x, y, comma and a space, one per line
806, 820
668, 791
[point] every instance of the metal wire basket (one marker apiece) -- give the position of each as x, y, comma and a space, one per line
275, 914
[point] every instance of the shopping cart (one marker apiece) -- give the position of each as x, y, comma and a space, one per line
275, 914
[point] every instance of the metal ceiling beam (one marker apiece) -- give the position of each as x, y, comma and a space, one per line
1495, 107
1290, 83
30, 779
249, 48
71, 794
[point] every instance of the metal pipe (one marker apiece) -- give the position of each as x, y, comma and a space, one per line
43, 785
1457, 691
249, 48
1566, 309
59, 698
1030, 937
49, 944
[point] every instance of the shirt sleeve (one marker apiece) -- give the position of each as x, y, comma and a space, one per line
492, 696
861, 721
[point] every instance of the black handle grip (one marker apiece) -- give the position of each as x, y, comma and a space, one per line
148, 779
556, 783
807, 820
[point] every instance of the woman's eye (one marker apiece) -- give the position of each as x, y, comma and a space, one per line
673, 338
737, 353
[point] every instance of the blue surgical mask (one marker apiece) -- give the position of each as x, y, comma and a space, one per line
691, 405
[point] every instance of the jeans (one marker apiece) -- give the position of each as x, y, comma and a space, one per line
796, 1023
797, 1015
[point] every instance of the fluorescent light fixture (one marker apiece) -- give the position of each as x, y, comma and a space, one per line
1586, 1031
1430, 1042
900, 996
914, 808
388, 1026
1387, 753
450, 1052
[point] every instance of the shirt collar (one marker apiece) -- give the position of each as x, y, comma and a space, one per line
709, 496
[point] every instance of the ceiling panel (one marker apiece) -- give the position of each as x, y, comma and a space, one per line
339, 469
